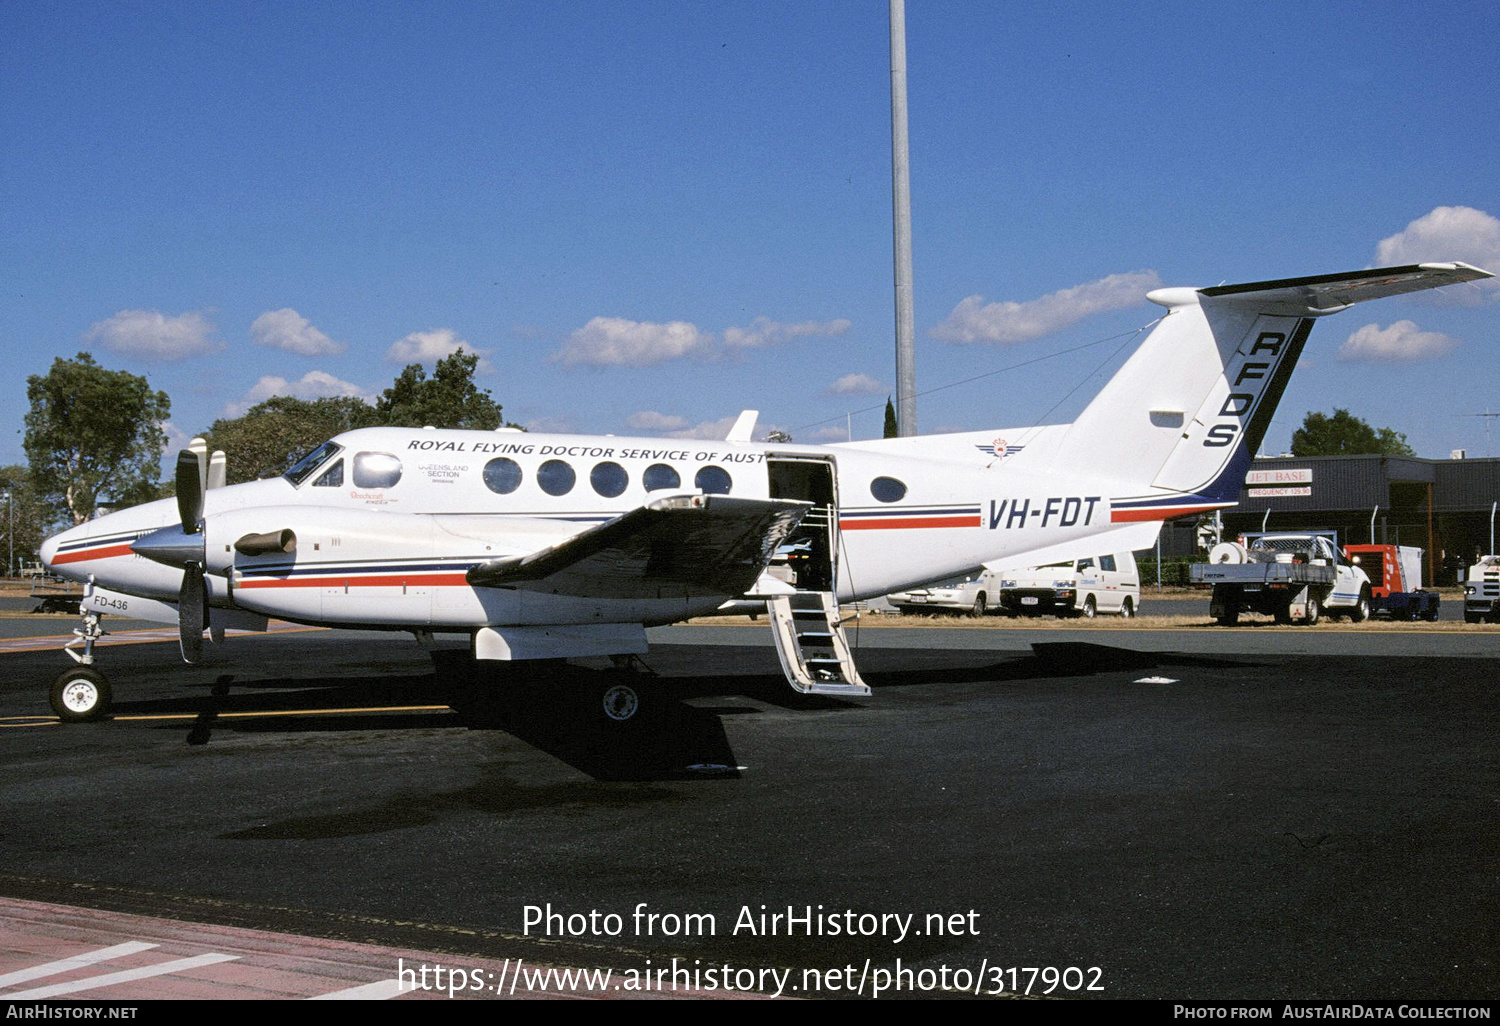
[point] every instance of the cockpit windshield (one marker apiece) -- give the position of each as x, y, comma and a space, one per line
312, 461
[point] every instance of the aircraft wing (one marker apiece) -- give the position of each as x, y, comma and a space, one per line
693, 545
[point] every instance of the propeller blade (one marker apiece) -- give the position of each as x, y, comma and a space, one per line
218, 469
189, 491
192, 612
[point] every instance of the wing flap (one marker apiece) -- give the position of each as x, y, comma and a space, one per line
682, 545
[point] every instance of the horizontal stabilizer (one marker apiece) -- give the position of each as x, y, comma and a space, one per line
1329, 293
1177, 426
682, 545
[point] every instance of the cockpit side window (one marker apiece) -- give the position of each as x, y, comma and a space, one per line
303, 469
333, 477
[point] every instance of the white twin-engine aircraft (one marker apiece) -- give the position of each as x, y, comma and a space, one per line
527, 546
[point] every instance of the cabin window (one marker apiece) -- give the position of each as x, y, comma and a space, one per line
333, 477
659, 476
502, 475
609, 479
376, 470
888, 489
556, 477
309, 463
713, 481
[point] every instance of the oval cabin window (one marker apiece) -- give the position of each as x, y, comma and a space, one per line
713, 481
888, 489
659, 476
609, 479
556, 477
502, 476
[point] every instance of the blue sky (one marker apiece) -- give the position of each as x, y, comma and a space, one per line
647, 216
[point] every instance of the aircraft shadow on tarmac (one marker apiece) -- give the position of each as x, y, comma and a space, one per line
556, 708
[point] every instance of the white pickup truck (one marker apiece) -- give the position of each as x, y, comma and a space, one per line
1290, 576
1482, 591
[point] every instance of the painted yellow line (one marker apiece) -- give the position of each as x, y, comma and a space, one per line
53, 721
288, 712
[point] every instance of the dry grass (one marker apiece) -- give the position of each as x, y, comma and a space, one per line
1115, 623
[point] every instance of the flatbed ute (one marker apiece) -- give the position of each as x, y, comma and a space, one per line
1294, 577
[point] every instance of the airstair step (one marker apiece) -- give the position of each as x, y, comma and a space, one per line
811, 645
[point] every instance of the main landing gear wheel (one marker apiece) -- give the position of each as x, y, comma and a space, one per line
80, 695
620, 703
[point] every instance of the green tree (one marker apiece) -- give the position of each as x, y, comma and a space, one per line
93, 437
1344, 434
448, 399
890, 419
24, 519
273, 435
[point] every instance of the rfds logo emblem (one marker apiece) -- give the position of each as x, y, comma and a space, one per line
999, 449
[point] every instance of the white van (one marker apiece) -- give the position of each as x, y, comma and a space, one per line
1081, 587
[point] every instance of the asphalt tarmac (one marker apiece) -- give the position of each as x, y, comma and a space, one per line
1156, 814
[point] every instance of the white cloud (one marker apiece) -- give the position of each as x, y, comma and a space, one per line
176, 438
312, 385
765, 332
708, 429
287, 329
428, 347
550, 425
856, 384
1401, 342
154, 335
650, 420
973, 320
1449, 233
617, 342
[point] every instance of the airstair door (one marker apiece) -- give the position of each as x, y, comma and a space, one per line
810, 641
811, 551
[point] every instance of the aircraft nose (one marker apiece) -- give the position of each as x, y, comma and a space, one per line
49, 549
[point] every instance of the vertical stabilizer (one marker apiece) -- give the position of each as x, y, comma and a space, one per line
1179, 423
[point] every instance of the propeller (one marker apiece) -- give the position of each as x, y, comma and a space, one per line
192, 598
192, 612
185, 546
218, 469
191, 482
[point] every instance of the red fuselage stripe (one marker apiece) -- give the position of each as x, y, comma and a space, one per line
1155, 513
104, 553
902, 523
354, 581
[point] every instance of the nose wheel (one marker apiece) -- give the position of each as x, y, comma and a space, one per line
80, 695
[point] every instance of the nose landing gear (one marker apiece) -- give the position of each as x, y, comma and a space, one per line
82, 693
